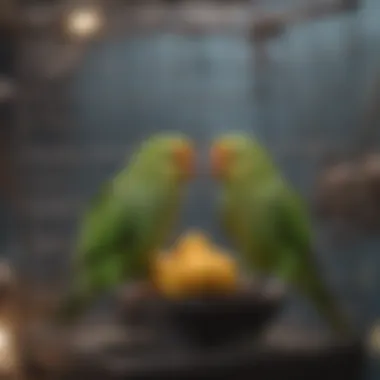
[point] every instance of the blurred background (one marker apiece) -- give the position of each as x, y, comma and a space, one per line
82, 82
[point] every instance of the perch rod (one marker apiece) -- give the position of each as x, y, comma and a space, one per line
217, 15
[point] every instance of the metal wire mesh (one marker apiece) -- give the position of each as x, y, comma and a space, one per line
303, 93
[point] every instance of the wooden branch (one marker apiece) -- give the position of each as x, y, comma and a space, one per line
189, 16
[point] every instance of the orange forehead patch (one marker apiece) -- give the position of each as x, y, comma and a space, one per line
219, 155
185, 156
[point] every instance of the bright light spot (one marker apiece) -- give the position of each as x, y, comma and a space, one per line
4, 338
84, 22
7, 357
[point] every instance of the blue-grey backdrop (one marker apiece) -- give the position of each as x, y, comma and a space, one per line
307, 99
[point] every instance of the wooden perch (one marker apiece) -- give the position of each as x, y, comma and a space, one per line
216, 15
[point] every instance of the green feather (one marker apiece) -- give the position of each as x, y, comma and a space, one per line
126, 222
269, 224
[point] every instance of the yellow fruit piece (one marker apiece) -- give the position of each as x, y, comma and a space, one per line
195, 267
194, 272
224, 274
166, 276
192, 242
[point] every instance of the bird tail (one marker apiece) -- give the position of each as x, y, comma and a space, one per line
326, 304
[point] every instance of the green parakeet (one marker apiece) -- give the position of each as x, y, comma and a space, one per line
129, 219
268, 222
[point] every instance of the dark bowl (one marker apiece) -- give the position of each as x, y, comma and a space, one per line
220, 320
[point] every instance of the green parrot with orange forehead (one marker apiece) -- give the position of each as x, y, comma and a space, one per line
268, 222
129, 219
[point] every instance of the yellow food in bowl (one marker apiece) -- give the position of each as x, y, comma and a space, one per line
195, 267
194, 241
166, 276
223, 274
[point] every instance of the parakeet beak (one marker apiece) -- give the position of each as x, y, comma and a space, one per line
186, 160
218, 158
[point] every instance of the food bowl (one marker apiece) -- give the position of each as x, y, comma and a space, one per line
224, 319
